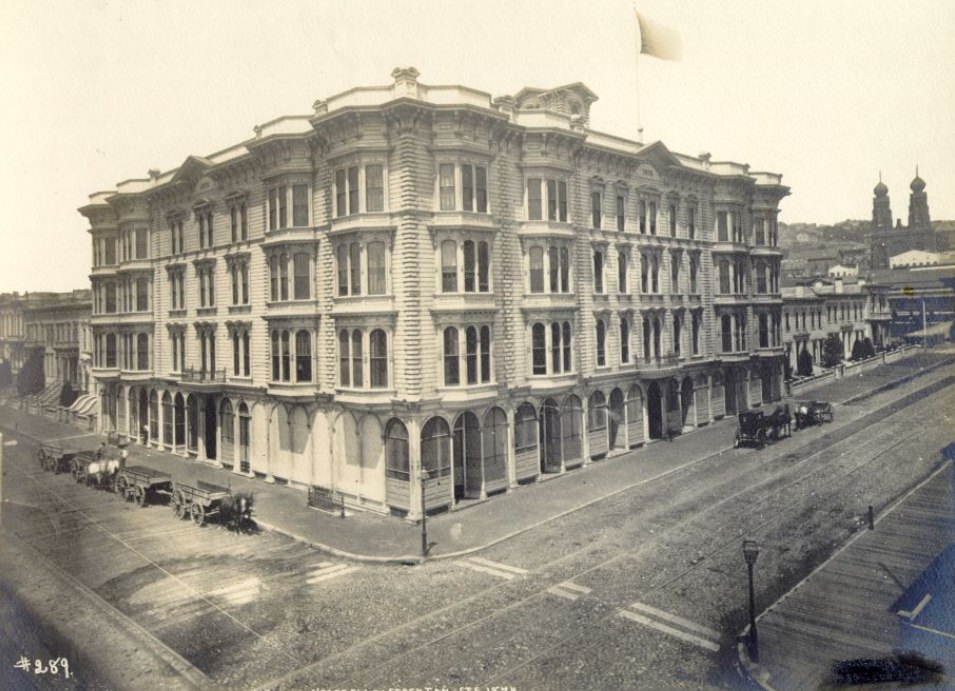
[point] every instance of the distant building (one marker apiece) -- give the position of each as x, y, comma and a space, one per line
59, 327
914, 258
887, 241
843, 271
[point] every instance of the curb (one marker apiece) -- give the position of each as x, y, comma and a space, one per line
760, 674
895, 382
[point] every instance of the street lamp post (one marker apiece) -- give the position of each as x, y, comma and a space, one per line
750, 553
424, 517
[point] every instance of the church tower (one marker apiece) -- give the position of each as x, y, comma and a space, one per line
918, 205
881, 210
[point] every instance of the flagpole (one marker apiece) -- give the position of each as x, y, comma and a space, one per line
636, 71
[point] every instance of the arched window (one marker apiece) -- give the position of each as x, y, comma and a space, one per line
596, 412
525, 429
644, 273
485, 353
227, 425
598, 271
343, 269
601, 343
565, 342
646, 338
449, 266
724, 273
300, 262
358, 377
760, 277
539, 349
153, 416
436, 448
564, 270
677, 333
378, 361
726, 333
451, 368
656, 336
142, 351
376, 268
167, 419
624, 340
555, 347
471, 355
469, 266
344, 373
286, 357
283, 276
303, 356
396, 450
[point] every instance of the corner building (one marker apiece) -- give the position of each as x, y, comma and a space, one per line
418, 289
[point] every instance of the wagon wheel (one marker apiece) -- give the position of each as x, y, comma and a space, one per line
178, 504
139, 496
198, 513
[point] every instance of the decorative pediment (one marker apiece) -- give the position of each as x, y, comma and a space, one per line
656, 157
191, 170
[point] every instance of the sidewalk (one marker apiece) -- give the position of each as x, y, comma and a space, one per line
372, 537
889, 589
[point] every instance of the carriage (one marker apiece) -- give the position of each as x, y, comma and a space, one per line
813, 413
204, 500
752, 429
139, 483
54, 458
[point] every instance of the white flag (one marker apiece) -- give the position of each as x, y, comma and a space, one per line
658, 40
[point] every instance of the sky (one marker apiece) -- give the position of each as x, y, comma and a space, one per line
826, 93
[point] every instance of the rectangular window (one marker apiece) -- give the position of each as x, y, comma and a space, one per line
643, 217
691, 221
343, 269
243, 221
672, 219
469, 266
552, 200
562, 201
467, 187
141, 248
234, 222
376, 268
300, 261
354, 259
353, 190
480, 188
621, 218
142, 294
299, 205
449, 266
675, 273
536, 259
446, 186
111, 251
653, 218
374, 188
340, 193
484, 266
539, 349
534, 201
759, 231
595, 210
283, 207
722, 227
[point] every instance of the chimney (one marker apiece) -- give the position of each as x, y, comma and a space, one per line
406, 81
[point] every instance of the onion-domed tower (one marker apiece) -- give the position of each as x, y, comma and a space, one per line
881, 209
918, 205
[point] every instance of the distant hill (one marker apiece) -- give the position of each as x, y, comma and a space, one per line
836, 235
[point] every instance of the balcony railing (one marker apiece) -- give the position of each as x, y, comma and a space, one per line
191, 374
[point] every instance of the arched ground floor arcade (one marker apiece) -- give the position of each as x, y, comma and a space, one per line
387, 457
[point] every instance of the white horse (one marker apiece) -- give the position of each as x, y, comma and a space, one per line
102, 472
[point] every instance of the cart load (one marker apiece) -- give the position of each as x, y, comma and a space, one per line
142, 484
54, 458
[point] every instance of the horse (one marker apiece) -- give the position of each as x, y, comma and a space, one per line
236, 510
102, 473
781, 419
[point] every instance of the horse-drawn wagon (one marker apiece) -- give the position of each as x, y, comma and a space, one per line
54, 458
94, 470
813, 413
139, 483
204, 500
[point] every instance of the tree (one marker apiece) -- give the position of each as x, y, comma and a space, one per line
857, 351
31, 379
868, 349
832, 351
67, 395
804, 364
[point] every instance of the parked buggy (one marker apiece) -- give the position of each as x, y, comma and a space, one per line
813, 413
140, 483
204, 500
752, 429
55, 459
